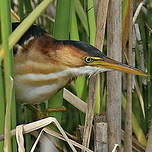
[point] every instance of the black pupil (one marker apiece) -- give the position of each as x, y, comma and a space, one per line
88, 59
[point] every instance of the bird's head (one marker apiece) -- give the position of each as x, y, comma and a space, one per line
82, 58
48, 55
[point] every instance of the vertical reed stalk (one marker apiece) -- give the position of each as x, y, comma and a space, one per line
128, 120
8, 69
101, 17
149, 65
100, 130
114, 49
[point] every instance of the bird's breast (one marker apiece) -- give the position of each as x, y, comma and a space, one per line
37, 88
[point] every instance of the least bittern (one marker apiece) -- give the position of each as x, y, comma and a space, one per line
44, 65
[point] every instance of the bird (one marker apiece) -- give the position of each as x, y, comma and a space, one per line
44, 65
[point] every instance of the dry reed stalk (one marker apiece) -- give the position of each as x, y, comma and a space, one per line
114, 50
128, 120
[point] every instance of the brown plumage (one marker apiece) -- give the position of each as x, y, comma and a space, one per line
44, 65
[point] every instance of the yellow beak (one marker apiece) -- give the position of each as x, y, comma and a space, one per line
108, 63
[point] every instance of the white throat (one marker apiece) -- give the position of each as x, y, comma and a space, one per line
86, 70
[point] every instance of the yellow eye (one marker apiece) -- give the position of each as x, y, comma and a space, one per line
88, 59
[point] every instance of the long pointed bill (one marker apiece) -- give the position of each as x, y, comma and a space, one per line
108, 63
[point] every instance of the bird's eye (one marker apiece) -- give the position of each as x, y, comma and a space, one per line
88, 59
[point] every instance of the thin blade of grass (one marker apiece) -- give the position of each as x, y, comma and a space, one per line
28, 6
82, 15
